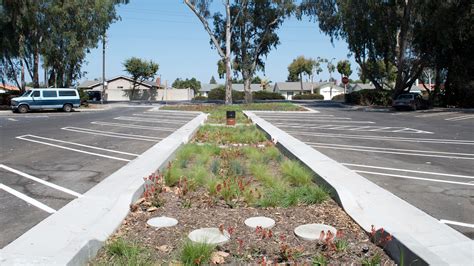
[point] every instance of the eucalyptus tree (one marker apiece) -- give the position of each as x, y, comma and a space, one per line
376, 31
140, 70
254, 34
201, 8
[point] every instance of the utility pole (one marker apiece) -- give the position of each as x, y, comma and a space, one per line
104, 82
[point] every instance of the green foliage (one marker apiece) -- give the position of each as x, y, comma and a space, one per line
295, 173
173, 174
122, 252
341, 244
193, 253
375, 260
313, 96
266, 95
339, 98
140, 70
219, 94
344, 68
320, 260
200, 98
192, 83
370, 97
225, 135
300, 66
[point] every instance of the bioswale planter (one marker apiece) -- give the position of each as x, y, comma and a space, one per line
74, 234
417, 236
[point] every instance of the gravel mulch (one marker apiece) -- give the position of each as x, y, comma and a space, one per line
198, 210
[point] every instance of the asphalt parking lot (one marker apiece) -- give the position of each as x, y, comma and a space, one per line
50, 158
423, 157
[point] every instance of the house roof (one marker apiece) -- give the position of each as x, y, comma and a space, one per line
235, 86
7, 87
361, 86
296, 86
89, 84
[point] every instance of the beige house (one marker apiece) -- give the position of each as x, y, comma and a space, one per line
120, 89
288, 89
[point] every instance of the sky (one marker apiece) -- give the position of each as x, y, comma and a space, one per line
167, 32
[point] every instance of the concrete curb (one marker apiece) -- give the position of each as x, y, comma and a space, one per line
418, 237
74, 234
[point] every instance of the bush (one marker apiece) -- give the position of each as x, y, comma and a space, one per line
219, 94
370, 97
339, 97
308, 97
267, 95
6, 98
200, 98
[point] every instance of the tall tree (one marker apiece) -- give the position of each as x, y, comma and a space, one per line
344, 68
192, 83
140, 70
253, 34
300, 66
375, 31
201, 9
213, 80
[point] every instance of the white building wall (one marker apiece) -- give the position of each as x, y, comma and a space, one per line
328, 93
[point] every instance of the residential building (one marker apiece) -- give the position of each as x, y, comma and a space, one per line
206, 88
359, 86
119, 89
288, 89
6, 88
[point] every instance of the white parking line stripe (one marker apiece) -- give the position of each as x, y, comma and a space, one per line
406, 170
133, 126
174, 117
41, 181
27, 199
416, 178
83, 145
373, 137
391, 152
308, 119
320, 121
76, 150
111, 134
164, 121
456, 223
457, 118
436, 114
381, 128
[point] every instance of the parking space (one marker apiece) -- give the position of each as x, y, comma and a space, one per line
49, 159
425, 158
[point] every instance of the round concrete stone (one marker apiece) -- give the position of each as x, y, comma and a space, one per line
209, 236
162, 221
312, 232
262, 221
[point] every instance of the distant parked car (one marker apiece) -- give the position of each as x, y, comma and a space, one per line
37, 99
411, 101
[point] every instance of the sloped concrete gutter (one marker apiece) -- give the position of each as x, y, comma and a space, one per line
74, 234
418, 237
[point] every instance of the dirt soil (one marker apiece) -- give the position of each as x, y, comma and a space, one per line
197, 210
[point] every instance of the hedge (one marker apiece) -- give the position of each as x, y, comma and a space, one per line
200, 98
339, 97
308, 97
370, 97
267, 95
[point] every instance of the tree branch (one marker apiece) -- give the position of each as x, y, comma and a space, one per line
206, 27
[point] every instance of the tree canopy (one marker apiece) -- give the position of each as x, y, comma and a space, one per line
192, 83
299, 67
140, 70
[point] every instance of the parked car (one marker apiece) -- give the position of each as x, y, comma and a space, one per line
37, 99
412, 101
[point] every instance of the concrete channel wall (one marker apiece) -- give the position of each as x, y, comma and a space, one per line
74, 234
418, 238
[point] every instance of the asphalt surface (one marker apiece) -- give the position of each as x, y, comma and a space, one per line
48, 159
424, 157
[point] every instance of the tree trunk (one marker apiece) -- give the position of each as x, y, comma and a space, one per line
247, 89
401, 48
228, 84
301, 82
36, 67
22, 76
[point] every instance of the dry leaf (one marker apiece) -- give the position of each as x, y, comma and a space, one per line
164, 248
218, 257
152, 209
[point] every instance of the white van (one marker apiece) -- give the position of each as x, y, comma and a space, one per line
47, 98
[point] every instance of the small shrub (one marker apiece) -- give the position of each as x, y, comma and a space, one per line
311, 194
341, 245
339, 98
196, 253
267, 95
122, 252
272, 153
308, 97
375, 260
215, 166
295, 173
172, 174
198, 175
219, 94
200, 98
320, 260
236, 168
261, 173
